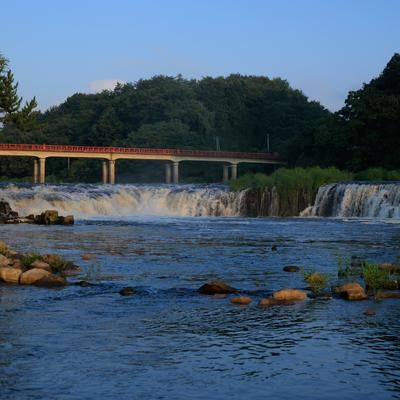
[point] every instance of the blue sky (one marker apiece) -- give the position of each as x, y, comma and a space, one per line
323, 47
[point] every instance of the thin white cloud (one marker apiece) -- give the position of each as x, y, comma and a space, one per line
104, 84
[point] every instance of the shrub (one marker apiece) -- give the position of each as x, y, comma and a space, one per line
317, 281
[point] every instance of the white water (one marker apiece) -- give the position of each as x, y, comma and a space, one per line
92, 201
358, 199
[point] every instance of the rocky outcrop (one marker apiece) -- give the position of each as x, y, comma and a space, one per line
48, 217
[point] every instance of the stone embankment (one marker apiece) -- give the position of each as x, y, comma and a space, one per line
48, 217
49, 270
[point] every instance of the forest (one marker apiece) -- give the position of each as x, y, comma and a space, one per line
242, 113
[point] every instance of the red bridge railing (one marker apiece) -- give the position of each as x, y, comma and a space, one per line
139, 150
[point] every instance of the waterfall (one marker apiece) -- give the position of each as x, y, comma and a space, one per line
357, 199
94, 201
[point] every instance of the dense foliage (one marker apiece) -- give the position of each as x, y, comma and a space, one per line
235, 113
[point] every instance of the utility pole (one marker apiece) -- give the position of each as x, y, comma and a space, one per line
217, 144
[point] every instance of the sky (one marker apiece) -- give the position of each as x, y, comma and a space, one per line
323, 47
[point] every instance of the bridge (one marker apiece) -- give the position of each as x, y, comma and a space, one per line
109, 156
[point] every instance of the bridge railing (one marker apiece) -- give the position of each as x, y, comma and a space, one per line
138, 150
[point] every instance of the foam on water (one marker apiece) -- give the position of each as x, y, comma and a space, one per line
94, 201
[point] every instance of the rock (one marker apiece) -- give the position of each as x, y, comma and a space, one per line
290, 295
270, 301
84, 284
392, 268
351, 291
128, 291
216, 288
53, 259
33, 275
389, 285
291, 268
4, 261
68, 220
219, 296
5, 208
388, 295
274, 247
41, 265
17, 264
242, 300
370, 312
320, 296
88, 256
51, 281
50, 217
10, 275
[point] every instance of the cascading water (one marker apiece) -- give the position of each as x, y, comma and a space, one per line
92, 201
357, 199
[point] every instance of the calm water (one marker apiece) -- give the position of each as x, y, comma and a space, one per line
168, 342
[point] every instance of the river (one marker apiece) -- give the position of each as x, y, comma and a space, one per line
169, 342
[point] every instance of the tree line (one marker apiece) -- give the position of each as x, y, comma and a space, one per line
239, 113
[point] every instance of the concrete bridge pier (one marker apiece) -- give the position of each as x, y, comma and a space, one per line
234, 171
111, 165
168, 172
225, 178
35, 170
175, 172
105, 172
42, 170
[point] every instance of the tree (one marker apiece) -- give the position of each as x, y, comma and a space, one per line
10, 102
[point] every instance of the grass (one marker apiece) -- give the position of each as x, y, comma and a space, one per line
29, 258
374, 277
317, 281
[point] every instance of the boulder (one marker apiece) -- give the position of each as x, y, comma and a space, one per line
17, 264
41, 265
351, 291
33, 275
4, 261
10, 275
50, 217
50, 281
5, 208
392, 268
216, 288
52, 259
68, 220
242, 300
291, 268
127, 291
289, 295
370, 312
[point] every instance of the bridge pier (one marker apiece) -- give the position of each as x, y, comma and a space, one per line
225, 178
168, 172
105, 172
42, 170
111, 168
234, 171
175, 172
35, 170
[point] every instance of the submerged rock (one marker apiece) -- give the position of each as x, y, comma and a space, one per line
216, 288
291, 268
370, 312
388, 295
127, 291
351, 291
242, 300
88, 256
290, 295
270, 301
50, 281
